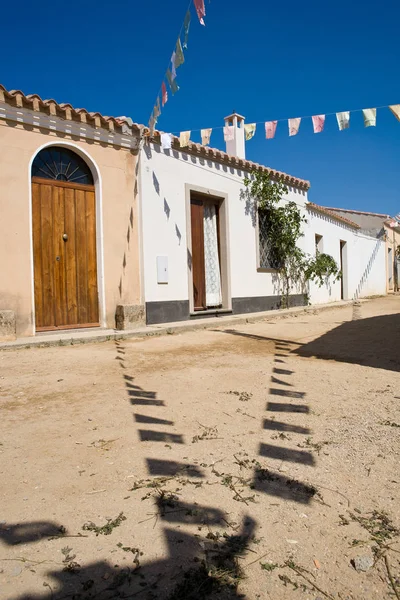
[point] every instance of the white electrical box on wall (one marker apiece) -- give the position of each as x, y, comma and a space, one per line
162, 269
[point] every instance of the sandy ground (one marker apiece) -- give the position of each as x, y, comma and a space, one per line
250, 463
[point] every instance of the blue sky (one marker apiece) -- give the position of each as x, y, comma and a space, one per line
267, 60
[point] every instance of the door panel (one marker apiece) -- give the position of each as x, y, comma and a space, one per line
47, 252
81, 255
60, 296
65, 270
93, 304
70, 255
37, 252
198, 267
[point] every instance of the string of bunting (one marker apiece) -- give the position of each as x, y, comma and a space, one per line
318, 123
177, 59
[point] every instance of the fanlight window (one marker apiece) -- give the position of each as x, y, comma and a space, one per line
61, 164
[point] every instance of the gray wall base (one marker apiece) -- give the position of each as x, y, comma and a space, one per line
262, 303
167, 312
178, 310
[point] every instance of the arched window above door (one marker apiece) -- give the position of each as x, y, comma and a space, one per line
61, 164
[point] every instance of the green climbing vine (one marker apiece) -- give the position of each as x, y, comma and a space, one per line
283, 222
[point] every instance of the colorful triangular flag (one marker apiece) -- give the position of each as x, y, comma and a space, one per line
369, 115
186, 26
270, 129
395, 108
164, 94
166, 141
294, 126
318, 122
152, 124
157, 109
171, 81
173, 67
184, 138
200, 9
343, 119
205, 136
179, 58
249, 130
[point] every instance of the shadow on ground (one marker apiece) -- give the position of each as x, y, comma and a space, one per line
192, 571
372, 342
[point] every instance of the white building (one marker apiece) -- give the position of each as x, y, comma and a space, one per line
203, 247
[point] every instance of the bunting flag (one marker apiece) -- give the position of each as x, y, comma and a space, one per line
184, 138
249, 130
152, 124
270, 128
395, 109
205, 136
157, 109
186, 26
318, 122
343, 119
179, 58
229, 133
166, 141
200, 9
172, 83
369, 115
294, 126
164, 94
173, 66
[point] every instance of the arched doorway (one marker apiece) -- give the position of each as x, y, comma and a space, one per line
64, 241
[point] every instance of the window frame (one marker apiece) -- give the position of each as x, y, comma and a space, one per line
261, 269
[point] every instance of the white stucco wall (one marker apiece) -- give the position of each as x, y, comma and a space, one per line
164, 175
365, 259
164, 178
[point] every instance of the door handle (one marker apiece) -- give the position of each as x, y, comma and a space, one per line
65, 237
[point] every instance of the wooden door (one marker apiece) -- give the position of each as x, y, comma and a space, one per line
64, 250
198, 266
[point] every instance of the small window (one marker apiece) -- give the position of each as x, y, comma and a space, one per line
61, 164
268, 255
318, 244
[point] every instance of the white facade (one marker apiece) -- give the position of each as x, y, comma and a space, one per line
167, 179
363, 259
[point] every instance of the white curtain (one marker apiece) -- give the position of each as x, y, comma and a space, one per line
211, 258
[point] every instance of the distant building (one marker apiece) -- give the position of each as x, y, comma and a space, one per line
381, 226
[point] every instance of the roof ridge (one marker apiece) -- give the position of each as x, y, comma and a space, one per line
324, 210
360, 212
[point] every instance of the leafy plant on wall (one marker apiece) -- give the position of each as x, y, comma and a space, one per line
284, 225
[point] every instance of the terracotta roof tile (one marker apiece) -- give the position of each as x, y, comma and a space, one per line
333, 215
67, 111
241, 163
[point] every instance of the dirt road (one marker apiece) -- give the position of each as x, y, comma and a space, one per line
256, 463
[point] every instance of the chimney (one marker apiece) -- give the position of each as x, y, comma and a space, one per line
236, 146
